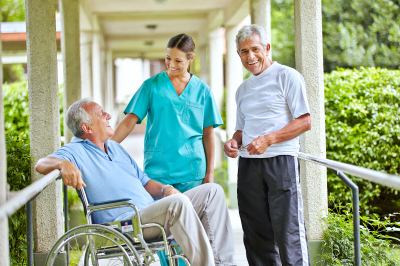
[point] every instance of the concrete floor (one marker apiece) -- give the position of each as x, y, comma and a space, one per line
134, 145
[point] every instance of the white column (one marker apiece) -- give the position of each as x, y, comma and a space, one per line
234, 77
4, 253
260, 11
110, 98
202, 54
97, 68
146, 69
70, 48
44, 116
309, 62
86, 64
216, 74
215, 51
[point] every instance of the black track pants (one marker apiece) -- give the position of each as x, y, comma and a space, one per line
271, 211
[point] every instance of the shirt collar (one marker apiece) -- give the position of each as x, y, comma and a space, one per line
79, 140
267, 71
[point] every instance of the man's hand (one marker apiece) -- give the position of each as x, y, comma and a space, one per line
71, 175
231, 148
170, 190
259, 145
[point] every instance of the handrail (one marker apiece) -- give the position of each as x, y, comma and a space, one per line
367, 174
26, 194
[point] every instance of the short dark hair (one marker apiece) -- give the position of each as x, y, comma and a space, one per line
184, 43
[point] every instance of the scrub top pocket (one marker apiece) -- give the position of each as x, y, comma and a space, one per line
193, 114
197, 158
153, 161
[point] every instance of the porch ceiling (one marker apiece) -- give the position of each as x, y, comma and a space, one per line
126, 24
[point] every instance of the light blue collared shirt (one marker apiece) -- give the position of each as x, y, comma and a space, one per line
107, 177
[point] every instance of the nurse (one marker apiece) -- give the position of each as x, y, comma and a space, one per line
181, 115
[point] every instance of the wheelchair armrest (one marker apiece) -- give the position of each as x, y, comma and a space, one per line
105, 205
109, 201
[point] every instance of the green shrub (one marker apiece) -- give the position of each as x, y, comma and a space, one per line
221, 176
16, 122
18, 177
16, 108
363, 129
338, 240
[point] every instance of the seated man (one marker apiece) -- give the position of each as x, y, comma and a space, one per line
198, 219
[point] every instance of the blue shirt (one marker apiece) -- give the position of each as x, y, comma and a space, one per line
174, 151
107, 177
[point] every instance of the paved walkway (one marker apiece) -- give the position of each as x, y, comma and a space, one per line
134, 145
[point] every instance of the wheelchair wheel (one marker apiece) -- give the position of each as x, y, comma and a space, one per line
93, 245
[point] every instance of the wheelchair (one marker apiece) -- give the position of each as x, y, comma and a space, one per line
114, 243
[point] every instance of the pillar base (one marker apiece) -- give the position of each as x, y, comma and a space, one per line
41, 257
232, 190
315, 249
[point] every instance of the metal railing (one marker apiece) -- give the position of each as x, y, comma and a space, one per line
25, 197
371, 175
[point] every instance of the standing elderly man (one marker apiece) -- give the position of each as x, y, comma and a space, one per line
198, 218
272, 111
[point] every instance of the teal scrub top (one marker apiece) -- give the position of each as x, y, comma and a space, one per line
173, 144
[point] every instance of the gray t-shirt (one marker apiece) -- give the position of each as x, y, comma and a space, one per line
268, 102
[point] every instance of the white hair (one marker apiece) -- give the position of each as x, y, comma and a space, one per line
77, 116
247, 31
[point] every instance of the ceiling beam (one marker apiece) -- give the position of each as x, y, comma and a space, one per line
145, 16
144, 37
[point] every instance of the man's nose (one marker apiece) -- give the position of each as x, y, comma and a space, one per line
251, 55
108, 116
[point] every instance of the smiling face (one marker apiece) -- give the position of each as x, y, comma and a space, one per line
253, 55
100, 129
177, 62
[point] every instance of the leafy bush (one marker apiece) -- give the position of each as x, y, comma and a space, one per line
363, 128
16, 122
18, 177
338, 240
221, 176
16, 108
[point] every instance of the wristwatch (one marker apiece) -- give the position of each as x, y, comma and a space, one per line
162, 189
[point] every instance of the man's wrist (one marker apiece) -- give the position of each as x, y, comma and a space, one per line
162, 189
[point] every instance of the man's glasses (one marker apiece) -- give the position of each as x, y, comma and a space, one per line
243, 148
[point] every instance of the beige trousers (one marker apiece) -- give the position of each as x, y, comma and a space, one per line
199, 221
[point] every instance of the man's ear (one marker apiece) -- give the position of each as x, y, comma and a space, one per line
268, 48
86, 128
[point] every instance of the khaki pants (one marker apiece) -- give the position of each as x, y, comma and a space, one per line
199, 221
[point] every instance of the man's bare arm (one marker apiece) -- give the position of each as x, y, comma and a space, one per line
70, 174
154, 189
291, 131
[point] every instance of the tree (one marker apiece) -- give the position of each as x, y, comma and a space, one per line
12, 10
282, 33
355, 33
361, 33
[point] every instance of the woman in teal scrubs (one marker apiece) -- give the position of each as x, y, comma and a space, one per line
181, 115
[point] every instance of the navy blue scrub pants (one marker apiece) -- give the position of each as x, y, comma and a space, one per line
271, 211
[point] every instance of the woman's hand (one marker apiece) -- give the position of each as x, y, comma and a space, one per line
208, 178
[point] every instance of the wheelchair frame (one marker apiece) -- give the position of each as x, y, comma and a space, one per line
130, 245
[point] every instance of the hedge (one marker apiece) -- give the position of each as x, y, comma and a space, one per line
363, 129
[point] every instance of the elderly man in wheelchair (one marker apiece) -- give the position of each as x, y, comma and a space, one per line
198, 219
